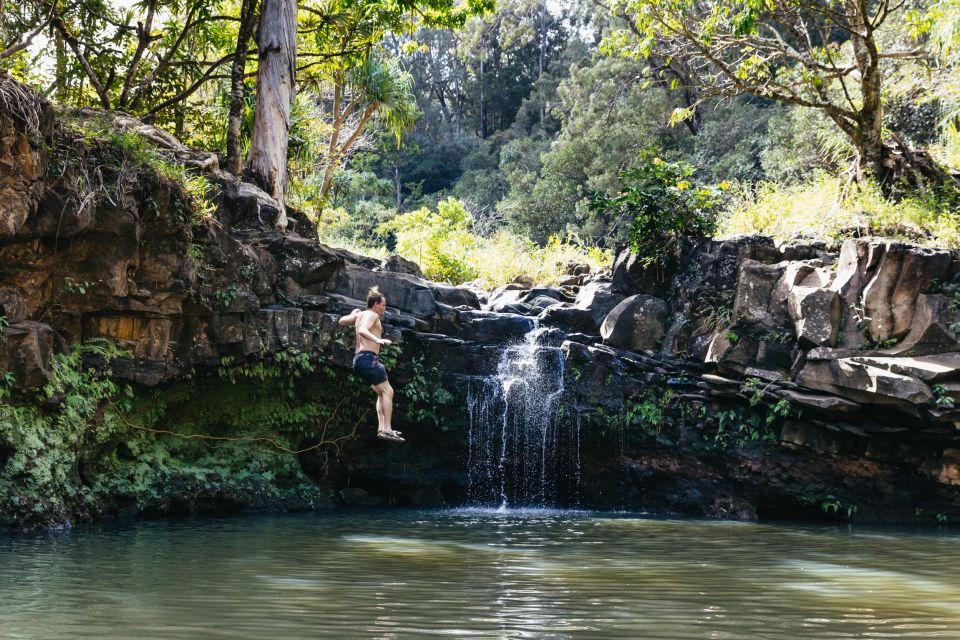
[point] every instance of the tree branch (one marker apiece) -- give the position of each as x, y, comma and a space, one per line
88, 70
145, 35
28, 40
186, 93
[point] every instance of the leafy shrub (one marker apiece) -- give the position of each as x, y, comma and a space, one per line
502, 257
439, 241
664, 206
445, 245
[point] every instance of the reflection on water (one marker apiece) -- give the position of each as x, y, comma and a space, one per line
478, 574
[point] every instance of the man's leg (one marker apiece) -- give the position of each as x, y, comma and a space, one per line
384, 404
380, 421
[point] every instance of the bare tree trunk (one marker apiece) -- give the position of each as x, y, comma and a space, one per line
459, 103
483, 104
543, 57
248, 13
277, 45
339, 117
340, 152
397, 185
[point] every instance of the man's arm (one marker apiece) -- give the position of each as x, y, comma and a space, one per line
350, 319
363, 328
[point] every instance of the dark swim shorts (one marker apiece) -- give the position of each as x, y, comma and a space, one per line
367, 365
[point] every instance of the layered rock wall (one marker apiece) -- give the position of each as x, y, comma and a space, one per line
759, 380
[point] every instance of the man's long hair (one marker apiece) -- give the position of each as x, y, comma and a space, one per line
373, 297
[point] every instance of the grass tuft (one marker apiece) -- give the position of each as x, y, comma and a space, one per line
830, 208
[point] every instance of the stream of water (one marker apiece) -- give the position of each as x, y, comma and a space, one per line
478, 574
520, 454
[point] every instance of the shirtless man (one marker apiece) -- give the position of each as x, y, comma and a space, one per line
366, 359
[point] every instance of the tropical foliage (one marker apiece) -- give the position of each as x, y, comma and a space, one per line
542, 119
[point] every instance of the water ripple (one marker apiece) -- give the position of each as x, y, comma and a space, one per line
477, 574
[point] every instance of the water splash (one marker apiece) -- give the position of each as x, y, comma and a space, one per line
521, 451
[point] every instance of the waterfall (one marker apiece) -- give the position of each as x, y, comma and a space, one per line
523, 449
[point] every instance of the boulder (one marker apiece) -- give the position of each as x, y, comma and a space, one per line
630, 276
524, 281
881, 284
399, 264
455, 296
540, 303
308, 263
570, 319
932, 368
902, 273
801, 249
831, 403
718, 347
931, 331
757, 300
405, 292
598, 299
851, 276
739, 350
226, 329
636, 324
816, 316
863, 383
577, 269
545, 292
479, 326
506, 295
278, 327
519, 308
249, 206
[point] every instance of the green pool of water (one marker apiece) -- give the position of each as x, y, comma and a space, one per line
478, 574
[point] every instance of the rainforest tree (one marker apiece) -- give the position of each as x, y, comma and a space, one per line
828, 55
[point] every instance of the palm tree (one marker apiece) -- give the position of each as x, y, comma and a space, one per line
374, 88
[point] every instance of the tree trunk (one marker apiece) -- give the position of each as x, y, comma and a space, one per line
483, 104
277, 44
869, 130
543, 58
340, 152
397, 185
459, 98
338, 120
60, 81
248, 13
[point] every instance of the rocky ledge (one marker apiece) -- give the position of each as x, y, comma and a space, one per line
756, 381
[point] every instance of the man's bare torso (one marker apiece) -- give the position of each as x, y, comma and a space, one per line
370, 320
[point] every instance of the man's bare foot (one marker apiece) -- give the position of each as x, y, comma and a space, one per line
390, 435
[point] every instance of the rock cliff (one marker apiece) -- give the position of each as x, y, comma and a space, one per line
164, 349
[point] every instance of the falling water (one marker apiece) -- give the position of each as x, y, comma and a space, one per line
522, 452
